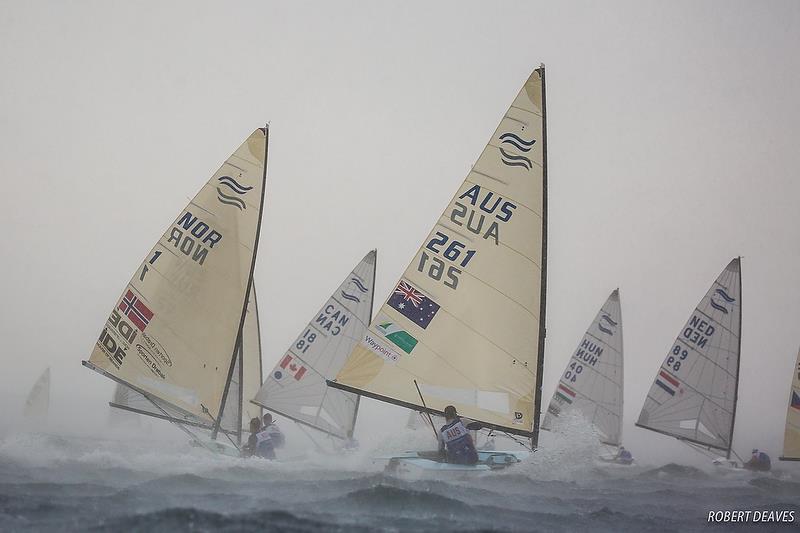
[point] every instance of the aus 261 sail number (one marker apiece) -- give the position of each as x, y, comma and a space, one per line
449, 256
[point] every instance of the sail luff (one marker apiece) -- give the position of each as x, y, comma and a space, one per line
791, 435
542, 307
738, 364
371, 306
238, 343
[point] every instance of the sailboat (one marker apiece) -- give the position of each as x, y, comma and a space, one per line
296, 387
593, 380
464, 325
693, 396
791, 436
38, 402
176, 335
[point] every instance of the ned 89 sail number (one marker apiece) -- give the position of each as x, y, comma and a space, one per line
676, 358
453, 251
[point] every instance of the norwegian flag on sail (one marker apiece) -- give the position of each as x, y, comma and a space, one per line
133, 308
293, 367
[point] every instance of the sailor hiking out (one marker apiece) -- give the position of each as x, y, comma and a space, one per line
455, 442
268, 439
759, 461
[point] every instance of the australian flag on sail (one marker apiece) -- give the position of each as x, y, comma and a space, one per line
412, 304
135, 310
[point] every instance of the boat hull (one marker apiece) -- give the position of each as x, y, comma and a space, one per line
421, 463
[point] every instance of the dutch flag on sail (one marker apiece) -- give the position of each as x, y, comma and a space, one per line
667, 382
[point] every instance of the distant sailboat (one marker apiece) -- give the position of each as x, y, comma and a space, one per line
693, 397
296, 387
37, 404
791, 437
464, 325
592, 383
177, 335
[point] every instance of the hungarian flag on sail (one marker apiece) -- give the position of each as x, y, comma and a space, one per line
133, 308
565, 393
412, 304
293, 367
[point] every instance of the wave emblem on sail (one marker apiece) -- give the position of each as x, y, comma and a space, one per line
464, 322
232, 186
512, 140
592, 383
173, 334
693, 396
296, 387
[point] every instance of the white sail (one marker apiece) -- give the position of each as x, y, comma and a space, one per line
465, 320
251, 360
296, 387
693, 397
173, 332
791, 438
593, 380
38, 401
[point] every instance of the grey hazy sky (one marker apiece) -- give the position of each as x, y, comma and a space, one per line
672, 143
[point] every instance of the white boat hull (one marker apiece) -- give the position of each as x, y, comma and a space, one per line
421, 463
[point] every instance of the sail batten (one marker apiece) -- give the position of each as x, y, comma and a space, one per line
466, 319
296, 387
174, 334
694, 394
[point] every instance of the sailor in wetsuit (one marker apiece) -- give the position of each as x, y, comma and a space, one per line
760, 461
455, 442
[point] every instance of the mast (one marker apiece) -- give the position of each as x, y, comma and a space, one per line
542, 306
371, 303
238, 343
241, 393
738, 364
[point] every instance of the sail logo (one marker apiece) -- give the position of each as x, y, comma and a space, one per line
292, 367
413, 304
606, 324
397, 336
138, 313
193, 237
510, 140
518, 418
227, 188
725, 297
116, 337
380, 350
352, 296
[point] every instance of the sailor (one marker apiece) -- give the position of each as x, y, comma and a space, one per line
269, 438
252, 441
624, 456
455, 442
759, 461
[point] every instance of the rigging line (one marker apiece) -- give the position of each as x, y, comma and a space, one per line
181, 426
214, 421
529, 448
433, 426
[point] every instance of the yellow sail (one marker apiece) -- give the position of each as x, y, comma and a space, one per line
791, 439
173, 332
465, 321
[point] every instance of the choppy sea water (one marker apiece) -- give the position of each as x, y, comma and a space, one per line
59, 483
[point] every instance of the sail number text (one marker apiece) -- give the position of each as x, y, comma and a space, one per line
435, 268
